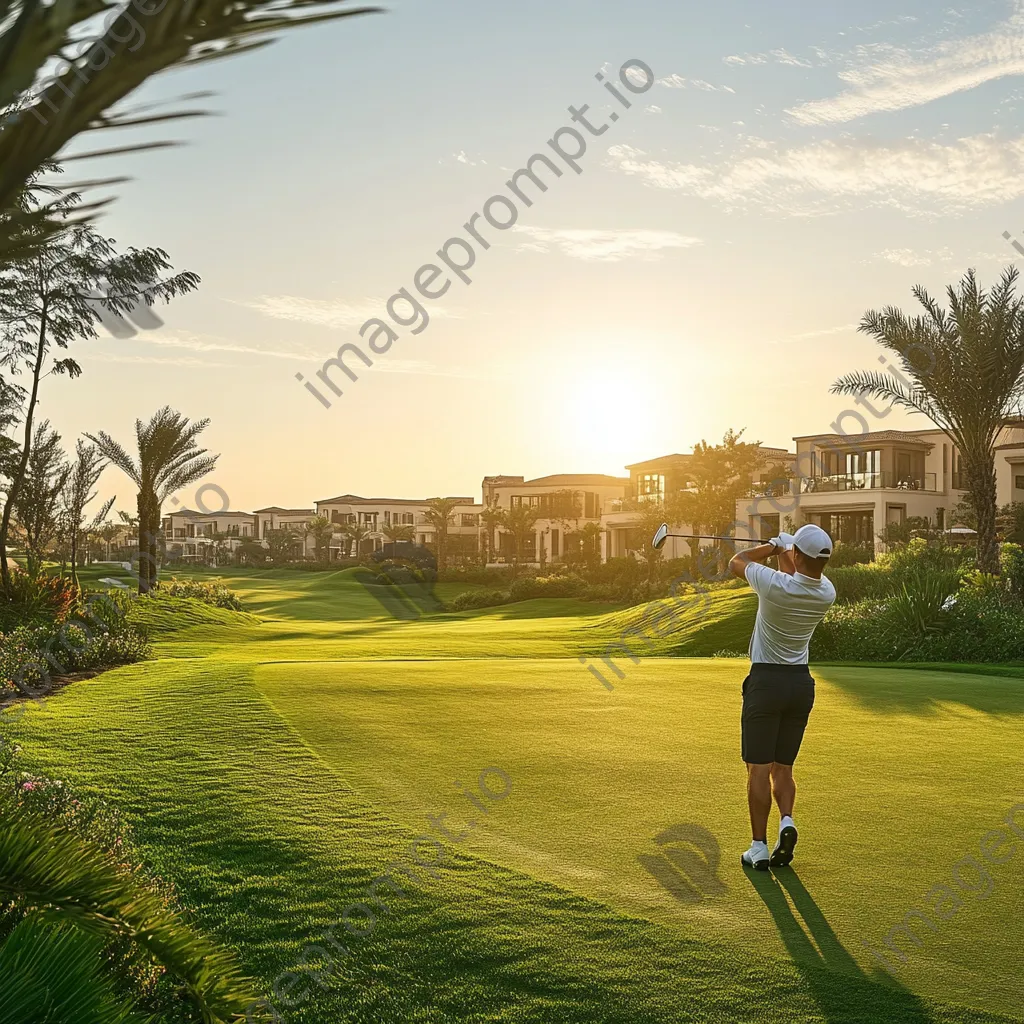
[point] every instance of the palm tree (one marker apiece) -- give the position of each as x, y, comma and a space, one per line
168, 460
320, 529
356, 532
439, 513
519, 521
492, 517
963, 369
395, 534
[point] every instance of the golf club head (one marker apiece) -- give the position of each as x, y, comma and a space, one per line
659, 536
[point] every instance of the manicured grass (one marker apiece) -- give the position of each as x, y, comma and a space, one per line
273, 769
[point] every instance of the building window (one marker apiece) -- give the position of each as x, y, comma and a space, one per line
1018, 482
469, 520
650, 487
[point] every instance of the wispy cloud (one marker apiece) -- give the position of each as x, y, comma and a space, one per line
914, 257
824, 332
200, 343
679, 82
914, 175
609, 246
327, 312
779, 56
144, 360
892, 78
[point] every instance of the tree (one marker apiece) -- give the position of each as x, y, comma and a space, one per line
321, 531
492, 518
519, 522
963, 368
77, 493
168, 459
282, 543
52, 296
719, 476
397, 533
38, 503
108, 532
440, 514
356, 533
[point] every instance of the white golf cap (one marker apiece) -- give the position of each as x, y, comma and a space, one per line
813, 541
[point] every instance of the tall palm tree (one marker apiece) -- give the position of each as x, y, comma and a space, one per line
963, 369
439, 513
168, 460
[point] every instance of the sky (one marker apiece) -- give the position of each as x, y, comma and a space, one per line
787, 168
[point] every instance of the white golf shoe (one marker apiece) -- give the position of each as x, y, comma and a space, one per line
782, 855
756, 857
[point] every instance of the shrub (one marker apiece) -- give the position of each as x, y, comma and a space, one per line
844, 554
207, 591
38, 600
526, 587
860, 582
1011, 560
101, 638
477, 599
88, 933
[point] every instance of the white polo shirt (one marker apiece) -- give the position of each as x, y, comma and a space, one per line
789, 609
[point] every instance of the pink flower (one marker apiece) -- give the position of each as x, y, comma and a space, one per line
29, 786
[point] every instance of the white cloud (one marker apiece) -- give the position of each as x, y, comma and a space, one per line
652, 109
784, 57
607, 246
328, 312
914, 175
894, 78
678, 82
914, 258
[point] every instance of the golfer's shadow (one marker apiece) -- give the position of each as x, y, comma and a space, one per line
687, 865
844, 992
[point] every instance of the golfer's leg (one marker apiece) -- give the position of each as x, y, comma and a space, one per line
784, 788
759, 799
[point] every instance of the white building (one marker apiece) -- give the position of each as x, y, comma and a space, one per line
382, 518
566, 504
854, 485
209, 538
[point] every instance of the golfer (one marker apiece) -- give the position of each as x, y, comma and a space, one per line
778, 694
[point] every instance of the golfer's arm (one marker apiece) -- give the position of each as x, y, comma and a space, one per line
738, 562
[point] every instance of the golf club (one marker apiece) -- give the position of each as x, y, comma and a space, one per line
662, 534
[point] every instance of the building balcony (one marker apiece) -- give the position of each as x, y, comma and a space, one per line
924, 482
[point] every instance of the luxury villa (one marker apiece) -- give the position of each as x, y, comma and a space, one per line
852, 485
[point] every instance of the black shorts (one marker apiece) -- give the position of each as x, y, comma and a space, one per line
777, 700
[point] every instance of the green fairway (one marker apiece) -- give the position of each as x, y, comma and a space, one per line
274, 766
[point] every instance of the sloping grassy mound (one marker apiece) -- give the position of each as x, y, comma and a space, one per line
161, 616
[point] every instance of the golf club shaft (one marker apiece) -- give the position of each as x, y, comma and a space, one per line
701, 536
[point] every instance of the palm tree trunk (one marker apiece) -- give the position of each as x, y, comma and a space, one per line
143, 544
981, 477
19, 476
154, 528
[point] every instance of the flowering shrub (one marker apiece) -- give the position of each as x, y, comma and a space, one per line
40, 599
206, 591
101, 637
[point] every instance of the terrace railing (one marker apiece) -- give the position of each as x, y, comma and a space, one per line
868, 482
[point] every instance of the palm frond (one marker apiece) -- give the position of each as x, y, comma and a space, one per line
74, 882
38, 118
